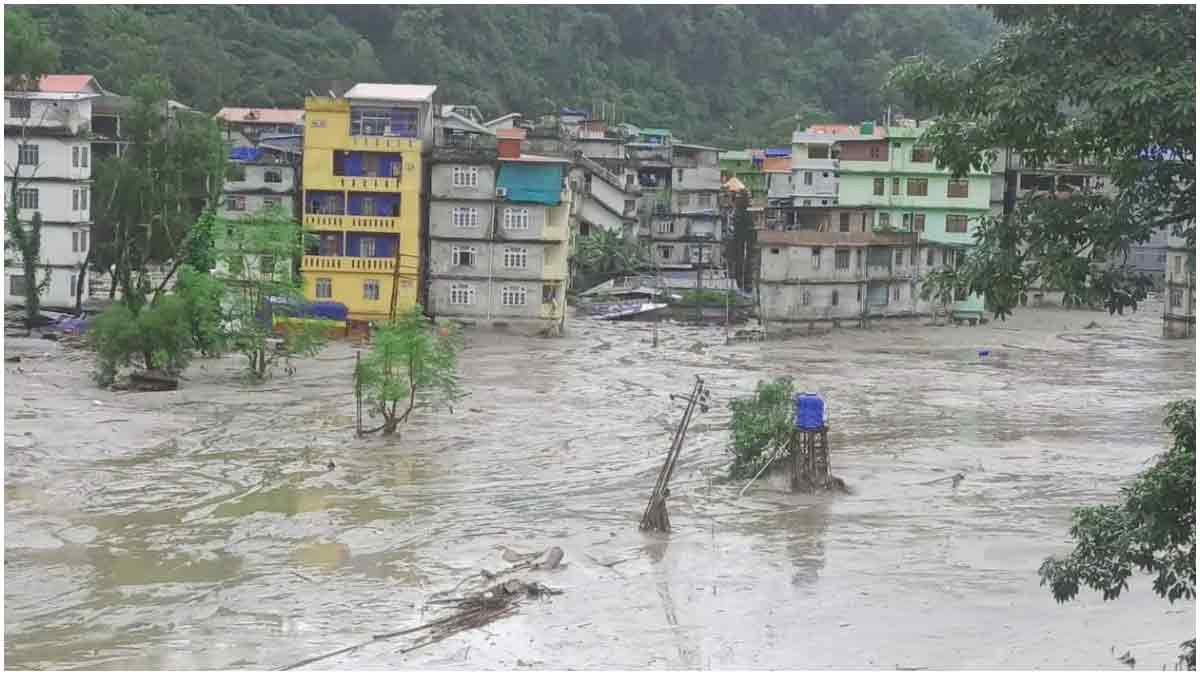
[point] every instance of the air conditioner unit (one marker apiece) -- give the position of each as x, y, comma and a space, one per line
501, 193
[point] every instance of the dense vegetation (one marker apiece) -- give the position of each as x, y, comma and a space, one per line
728, 75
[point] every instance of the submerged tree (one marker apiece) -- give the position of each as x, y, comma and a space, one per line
604, 254
761, 425
739, 251
1153, 530
412, 365
1049, 94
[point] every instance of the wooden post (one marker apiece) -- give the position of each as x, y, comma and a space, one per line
357, 395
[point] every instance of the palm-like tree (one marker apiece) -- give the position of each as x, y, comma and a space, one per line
604, 254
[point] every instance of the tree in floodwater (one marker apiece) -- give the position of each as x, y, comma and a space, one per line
760, 425
604, 254
1047, 93
739, 251
413, 364
1152, 530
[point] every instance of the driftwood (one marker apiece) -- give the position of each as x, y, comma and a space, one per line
655, 518
152, 380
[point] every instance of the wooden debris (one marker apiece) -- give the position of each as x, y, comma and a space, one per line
152, 380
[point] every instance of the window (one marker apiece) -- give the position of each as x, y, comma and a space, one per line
235, 203
704, 201
858, 259
918, 187
465, 216
956, 223
816, 258
858, 293
665, 227
19, 108
75, 200
74, 281
907, 220
685, 198
516, 258
958, 188
875, 152
368, 122
83, 199
270, 202
1177, 297
512, 296
806, 202
895, 185
921, 155
929, 258
324, 288
516, 218
16, 284
366, 247
630, 205
844, 222
808, 178
27, 198
27, 154
462, 294
664, 252
805, 297
774, 251
465, 176
1179, 264
899, 257
272, 176
463, 256
83, 156
680, 176
266, 265
919, 222
75, 157
370, 289
878, 186
818, 152
833, 298
549, 293
885, 220
79, 241
841, 259
367, 206
895, 292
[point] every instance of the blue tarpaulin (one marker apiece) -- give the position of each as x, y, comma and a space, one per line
779, 152
245, 154
539, 183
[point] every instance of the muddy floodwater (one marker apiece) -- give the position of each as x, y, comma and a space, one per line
206, 528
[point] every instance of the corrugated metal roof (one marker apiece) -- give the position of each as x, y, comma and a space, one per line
69, 84
736, 155
391, 92
261, 115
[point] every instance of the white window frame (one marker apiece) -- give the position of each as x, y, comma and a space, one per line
269, 202
371, 289
516, 218
457, 251
513, 296
75, 156
323, 283
816, 258
235, 203
666, 227
269, 173
27, 198
12, 290
83, 198
366, 247
805, 297
808, 178
83, 157
27, 154
516, 257
462, 294
666, 252
464, 176
465, 216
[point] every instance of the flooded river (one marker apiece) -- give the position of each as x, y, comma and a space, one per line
206, 528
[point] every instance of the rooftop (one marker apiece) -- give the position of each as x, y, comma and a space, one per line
261, 115
70, 84
391, 92
542, 159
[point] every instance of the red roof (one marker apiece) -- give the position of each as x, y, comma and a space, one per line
68, 84
261, 115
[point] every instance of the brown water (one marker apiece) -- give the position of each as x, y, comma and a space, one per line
202, 528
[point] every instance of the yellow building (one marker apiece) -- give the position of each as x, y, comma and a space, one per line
362, 183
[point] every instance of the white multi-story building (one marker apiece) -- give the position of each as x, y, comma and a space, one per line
48, 155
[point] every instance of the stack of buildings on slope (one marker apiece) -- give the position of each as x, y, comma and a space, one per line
869, 214
498, 233
49, 159
363, 196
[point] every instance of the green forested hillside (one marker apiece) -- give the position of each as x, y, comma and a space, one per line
728, 75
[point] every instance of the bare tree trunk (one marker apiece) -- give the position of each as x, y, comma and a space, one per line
79, 282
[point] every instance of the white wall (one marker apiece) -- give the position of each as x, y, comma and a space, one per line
55, 202
51, 113
54, 158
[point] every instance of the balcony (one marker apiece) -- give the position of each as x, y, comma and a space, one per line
337, 263
380, 143
385, 183
321, 221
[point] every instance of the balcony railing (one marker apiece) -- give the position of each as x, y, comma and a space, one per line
382, 143
367, 182
338, 263
321, 221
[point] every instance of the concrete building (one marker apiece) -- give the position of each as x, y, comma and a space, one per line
499, 234
362, 181
48, 151
1179, 302
244, 127
747, 166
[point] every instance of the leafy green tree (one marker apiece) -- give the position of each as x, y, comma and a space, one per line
26, 242
202, 294
254, 260
1048, 93
29, 52
413, 364
760, 425
604, 254
159, 336
1152, 530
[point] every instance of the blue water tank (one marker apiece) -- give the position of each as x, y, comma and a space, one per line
810, 412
